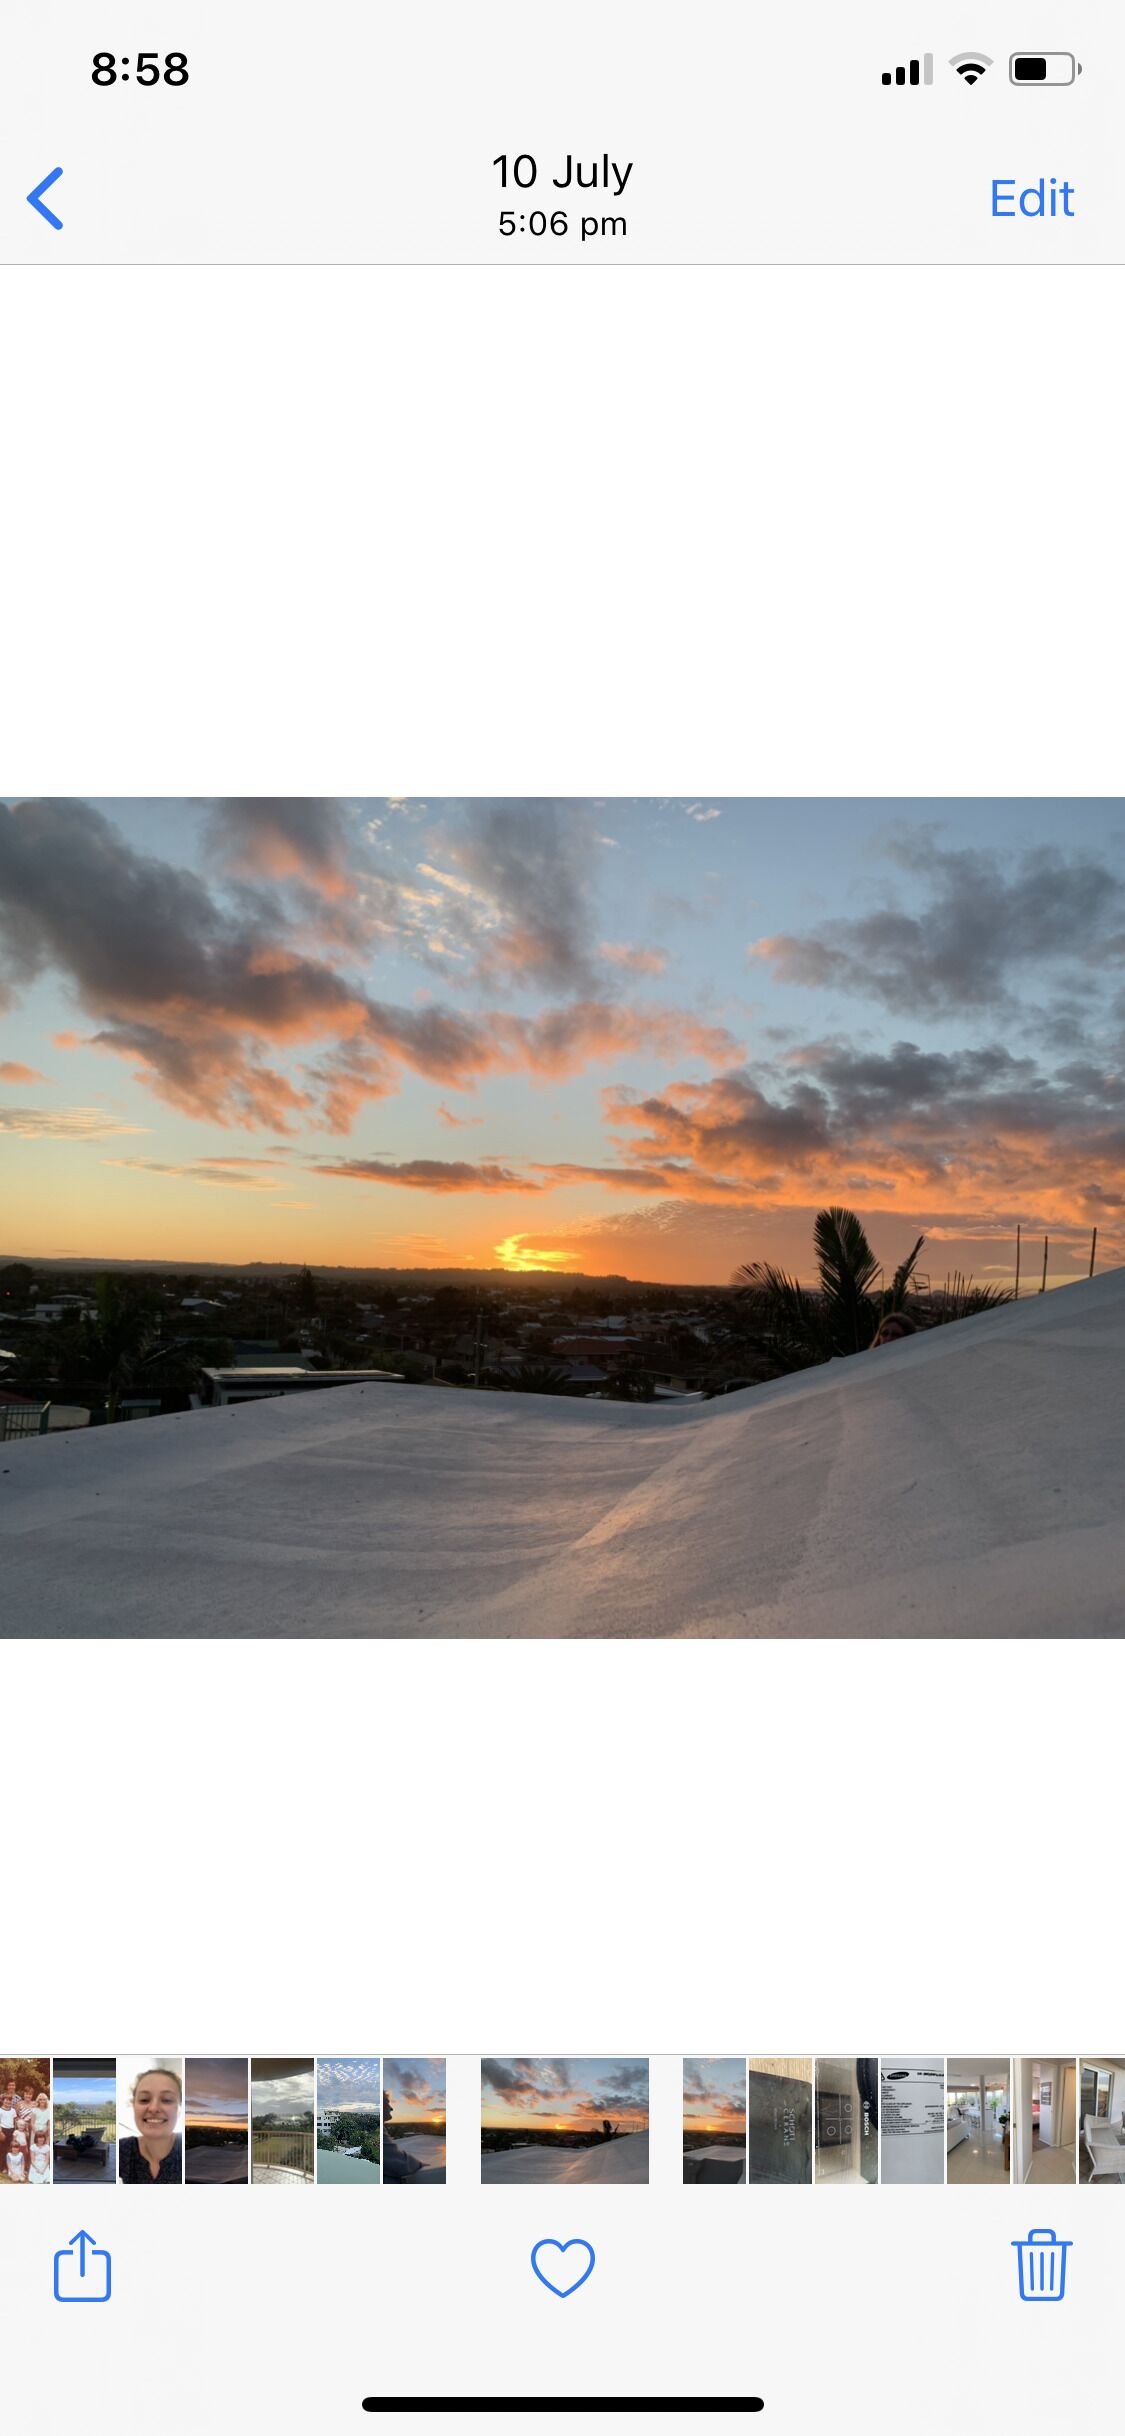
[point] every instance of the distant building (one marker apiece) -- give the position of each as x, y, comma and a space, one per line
246, 1386
595, 1348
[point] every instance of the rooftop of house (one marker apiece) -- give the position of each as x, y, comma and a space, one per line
962, 1481
291, 1374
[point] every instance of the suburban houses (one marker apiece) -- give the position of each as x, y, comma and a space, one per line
79, 1347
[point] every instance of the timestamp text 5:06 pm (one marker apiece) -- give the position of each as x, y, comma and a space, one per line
558, 224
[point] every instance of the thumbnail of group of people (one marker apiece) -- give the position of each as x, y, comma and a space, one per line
25, 2133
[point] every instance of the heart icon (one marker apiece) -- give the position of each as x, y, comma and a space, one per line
563, 2276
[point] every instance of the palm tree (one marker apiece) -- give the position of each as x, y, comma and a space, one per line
528, 1380
840, 1316
109, 1345
630, 1387
960, 1299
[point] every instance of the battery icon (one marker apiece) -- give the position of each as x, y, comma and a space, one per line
1043, 68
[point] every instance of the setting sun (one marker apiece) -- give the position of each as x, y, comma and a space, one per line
516, 1253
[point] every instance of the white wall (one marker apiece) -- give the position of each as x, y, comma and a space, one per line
1021, 2118
1056, 2116
1067, 2111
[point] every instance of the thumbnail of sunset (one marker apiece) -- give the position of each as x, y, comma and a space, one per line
555, 2094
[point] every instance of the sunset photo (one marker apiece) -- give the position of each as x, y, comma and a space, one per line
216, 2122
715, 2119
596, 1156
555, 2121
414, 2118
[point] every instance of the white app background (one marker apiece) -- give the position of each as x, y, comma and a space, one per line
759, 531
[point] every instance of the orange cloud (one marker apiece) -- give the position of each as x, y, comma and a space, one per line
11, 1072
568, 1038
634, 959
64, 1124
979, 1134
208, 1171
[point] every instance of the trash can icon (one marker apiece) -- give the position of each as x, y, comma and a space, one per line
1042, 2265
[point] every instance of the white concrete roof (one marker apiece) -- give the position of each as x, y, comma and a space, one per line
622, 2160
964, 1481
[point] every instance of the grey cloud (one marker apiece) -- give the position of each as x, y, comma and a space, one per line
1006, 1128
530, 864
194, 989
986, 924
138, 934
280, 837
626, 2081
504, 2078
522, 2076
430, 1175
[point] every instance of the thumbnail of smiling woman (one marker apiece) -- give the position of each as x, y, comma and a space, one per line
150, 2130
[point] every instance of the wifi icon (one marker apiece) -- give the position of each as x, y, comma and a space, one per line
970, 65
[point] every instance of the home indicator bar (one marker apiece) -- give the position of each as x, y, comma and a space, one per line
563, 2402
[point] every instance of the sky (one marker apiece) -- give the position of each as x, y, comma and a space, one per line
215, 2090
349, 2083
646, 1038
281, 2085
552, 2094
416, 2088
715, 2094
86, 2088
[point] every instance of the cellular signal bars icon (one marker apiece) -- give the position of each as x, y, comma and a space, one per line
916, 72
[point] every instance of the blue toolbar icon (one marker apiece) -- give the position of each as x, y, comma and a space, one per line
35, 199
1042, 2265
563, 2275
82, 2271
